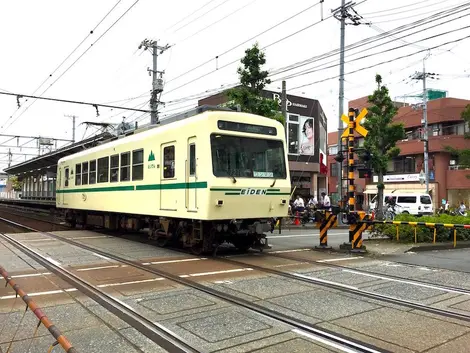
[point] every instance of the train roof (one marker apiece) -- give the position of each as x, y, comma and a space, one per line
194, 115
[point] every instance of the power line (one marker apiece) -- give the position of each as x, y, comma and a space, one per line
192, 13
68, 68
383, 62
96, 105
244, 42
391, 33
370, 55
396, 8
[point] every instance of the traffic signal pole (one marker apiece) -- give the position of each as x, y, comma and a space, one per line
351, 187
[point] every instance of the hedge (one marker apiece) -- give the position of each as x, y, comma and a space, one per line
423, 233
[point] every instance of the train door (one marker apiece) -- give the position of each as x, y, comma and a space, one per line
191, 176
65, 185
169, 192
59, 195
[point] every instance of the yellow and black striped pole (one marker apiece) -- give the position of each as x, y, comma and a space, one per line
351, 187
328, 222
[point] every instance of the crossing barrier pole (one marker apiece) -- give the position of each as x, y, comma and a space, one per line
329, 221
352, 227
398, 233
435, 235
416, 235
455, 237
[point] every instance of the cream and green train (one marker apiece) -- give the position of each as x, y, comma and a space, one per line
200, 179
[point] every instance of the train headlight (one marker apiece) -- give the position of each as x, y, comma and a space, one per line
283, 201
219, 203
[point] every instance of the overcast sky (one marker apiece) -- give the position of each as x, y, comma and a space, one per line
38, 35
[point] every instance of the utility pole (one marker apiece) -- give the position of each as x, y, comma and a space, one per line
422, 76
343, 13
157, 82
73, 126
284, 108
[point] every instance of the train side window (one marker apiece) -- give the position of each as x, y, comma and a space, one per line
84, 173
114, 168
138, 165
92, 172
78, 174
192, 159
169, 162
66, 181
125, 166
103, 170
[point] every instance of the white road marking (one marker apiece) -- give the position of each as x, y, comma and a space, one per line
43, 239
325, 281
172, 261
55, 262
327, 342
41, 293
124, 304
285, 251
90, 237
429, 286
131, 282
101, 256
292, 264
30, 275
341, 259
217, 272
300, 235
99, 268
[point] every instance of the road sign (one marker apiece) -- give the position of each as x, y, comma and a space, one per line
357, 124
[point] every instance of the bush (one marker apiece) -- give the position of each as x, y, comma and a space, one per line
423, 233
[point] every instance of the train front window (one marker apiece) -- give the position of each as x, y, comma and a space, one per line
245, 157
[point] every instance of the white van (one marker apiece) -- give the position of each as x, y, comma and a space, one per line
417, 204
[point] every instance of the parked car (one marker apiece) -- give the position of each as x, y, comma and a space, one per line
417, 204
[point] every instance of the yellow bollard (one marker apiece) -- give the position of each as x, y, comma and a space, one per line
416, 236
398, 234
455, 237
435, 234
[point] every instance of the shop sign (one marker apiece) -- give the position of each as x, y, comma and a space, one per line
398, 178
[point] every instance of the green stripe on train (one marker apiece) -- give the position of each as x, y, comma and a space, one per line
172, 186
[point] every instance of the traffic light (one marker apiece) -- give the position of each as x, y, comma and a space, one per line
366, 157
339, 158
365, 173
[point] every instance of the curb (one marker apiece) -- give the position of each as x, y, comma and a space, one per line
440, 246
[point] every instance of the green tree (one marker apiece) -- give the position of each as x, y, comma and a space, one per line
383, 134
15, 184
253, 80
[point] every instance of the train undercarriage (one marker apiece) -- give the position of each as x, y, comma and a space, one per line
197, 235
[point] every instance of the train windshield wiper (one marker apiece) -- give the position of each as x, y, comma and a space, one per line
274, 182
232, 175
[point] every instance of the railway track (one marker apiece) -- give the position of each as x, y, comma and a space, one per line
158, 333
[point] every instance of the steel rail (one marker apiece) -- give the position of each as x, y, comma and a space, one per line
156, 332
385, 276
339, 341
354, 290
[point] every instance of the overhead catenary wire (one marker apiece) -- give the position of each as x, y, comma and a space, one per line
382, 62
305, 72
76, 60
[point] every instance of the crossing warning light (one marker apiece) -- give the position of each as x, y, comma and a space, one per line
365, 173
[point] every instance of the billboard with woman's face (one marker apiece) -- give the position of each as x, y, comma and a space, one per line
307, 143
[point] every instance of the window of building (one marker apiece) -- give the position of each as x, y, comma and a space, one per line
334, 169
103, 170
78, 174
332, 150
85, 173
138, 165
66, 181
92, 172
293, 134
406, 199
114, 168
169, 162
192, 159
125, 166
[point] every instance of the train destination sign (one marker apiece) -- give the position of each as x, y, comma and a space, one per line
250, 128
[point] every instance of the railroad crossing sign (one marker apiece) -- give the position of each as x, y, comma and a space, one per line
357, 124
